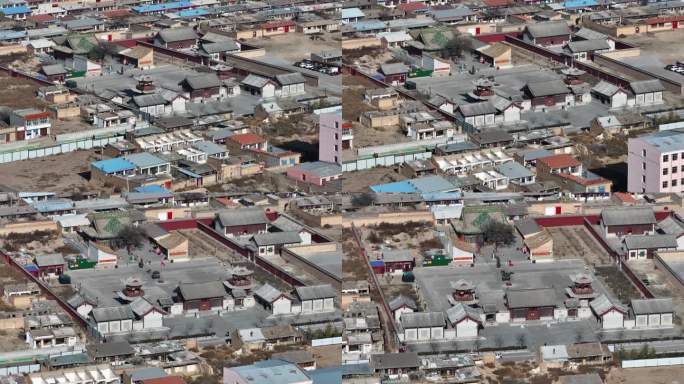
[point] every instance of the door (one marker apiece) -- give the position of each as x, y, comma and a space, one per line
169, 215
533, 314
477, 31
675, 24
287, 28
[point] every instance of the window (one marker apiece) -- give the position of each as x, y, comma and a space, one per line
665, 171
674, 157
674, 182
643, 178
664, 184
674, 169
643, 166
665, 158
643, 152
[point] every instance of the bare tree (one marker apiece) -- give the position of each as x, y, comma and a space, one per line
497, 233
129, 237
498, 341
522, 339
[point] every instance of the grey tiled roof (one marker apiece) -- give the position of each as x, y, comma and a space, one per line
646, 86
547, 88
267, 293
628, 216
422, 319
205, 290
170, 35
527, 298
104, 314
242, 217
548, 29
603, 304
652, 306
314, 292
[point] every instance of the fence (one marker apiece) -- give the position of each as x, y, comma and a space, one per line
662, 362
26, 153
326, 341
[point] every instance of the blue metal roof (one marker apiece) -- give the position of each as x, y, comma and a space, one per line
12, 35
16, 10
432, 184
271, 371
350, 13
152, 189
193, 12
53, 205
395, 187
665, 141
114, 165
331, 375
442, 196
579, 3
361, 26
145, 160
162, 7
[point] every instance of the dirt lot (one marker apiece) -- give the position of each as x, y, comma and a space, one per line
576, 242
353, 264
54, 173
201, 245
19, 93
68, 126
359, 181
296, 46
354, 106
35, 243
396, 288
659, 375
327, 356
368, 59
666, 45
416, 236
617, 283
352, 80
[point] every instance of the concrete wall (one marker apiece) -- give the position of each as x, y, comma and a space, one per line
365, 42
392, 218
251, 53
12, 49
28, 227
318, 220
622, 53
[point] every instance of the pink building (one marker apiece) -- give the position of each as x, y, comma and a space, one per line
317, 172
656, 163
334, 136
